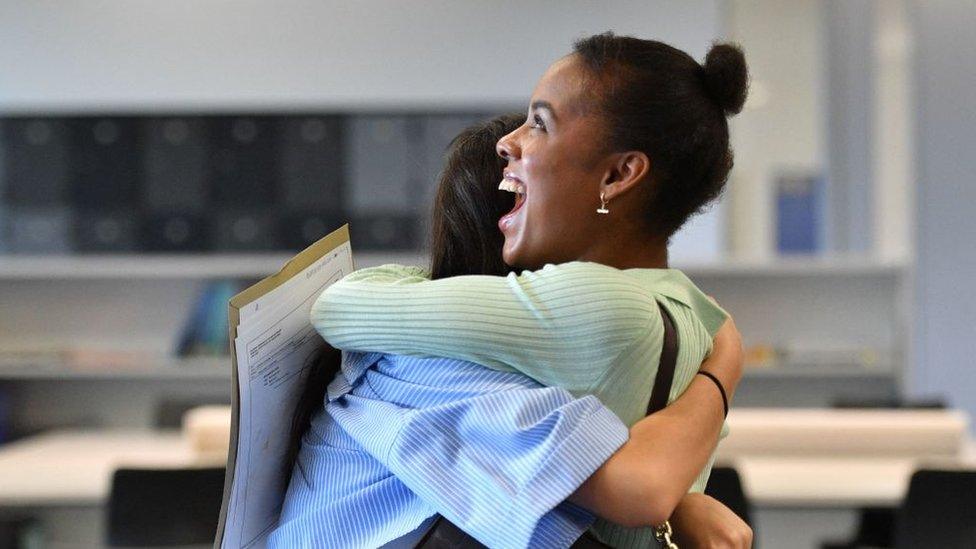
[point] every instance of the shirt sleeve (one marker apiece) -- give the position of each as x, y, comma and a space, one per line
496, 465
562, 325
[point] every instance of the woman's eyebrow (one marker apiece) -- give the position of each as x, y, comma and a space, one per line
540, 104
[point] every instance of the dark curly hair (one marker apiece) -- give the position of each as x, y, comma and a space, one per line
659, 100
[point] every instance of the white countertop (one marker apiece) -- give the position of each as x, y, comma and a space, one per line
74, 468
823, 482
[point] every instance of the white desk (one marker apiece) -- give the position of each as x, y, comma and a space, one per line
833, 458
74, 468
64, 477
833, 483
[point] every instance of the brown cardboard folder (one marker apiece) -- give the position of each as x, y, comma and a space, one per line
296, 265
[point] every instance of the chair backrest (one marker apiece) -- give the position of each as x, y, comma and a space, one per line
164, 507
939, 511
725, 485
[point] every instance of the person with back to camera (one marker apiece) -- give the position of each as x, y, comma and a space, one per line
591, 325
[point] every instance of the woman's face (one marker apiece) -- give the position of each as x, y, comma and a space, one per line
559, 158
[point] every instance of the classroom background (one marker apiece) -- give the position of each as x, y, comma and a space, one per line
157, 157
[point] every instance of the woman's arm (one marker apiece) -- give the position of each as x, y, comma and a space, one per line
500, 462
643, 482
561, 325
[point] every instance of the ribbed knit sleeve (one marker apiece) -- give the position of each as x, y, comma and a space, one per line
561, 325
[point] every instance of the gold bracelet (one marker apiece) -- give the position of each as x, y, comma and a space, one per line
663, 534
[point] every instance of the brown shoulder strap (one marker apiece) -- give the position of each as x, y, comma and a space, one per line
665, 370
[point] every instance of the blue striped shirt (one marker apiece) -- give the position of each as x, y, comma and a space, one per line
402, 439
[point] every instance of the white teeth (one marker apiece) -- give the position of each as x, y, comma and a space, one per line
511, 186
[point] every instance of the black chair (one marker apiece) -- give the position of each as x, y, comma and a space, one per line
164, 507
876, 525
725, 485
939, 511
875, 529
19, 532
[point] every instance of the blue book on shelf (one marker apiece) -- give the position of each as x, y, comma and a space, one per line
799, 214
189, 340
216, 335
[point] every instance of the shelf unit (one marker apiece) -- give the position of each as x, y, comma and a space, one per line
125, 266
186, 266
216, 368
817, 303
139, 303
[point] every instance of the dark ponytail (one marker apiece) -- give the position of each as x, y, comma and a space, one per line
464, 240
657, 99
464, 235
323, 366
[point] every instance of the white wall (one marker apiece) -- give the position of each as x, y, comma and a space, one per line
894, 136
118, 55
143, 54
783, 124
945, 300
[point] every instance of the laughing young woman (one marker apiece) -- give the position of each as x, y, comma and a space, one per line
625, 139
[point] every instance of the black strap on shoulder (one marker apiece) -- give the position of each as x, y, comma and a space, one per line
665, 369
445, 535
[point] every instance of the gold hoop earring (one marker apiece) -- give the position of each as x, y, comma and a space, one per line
603, 205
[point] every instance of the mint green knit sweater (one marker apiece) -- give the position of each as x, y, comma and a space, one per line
586, 327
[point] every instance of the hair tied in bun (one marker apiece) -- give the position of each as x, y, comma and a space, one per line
725, 76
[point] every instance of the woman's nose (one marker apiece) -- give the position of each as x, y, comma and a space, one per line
507, 146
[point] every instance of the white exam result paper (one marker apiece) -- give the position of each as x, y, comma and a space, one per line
274, 344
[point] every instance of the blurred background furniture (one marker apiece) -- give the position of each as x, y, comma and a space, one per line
17, 531
876, 525
164, 507
725, 485
795, 483
875, 528
33, 472
809, 473
939, 511
68, 503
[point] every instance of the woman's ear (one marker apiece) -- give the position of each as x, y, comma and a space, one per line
626, 172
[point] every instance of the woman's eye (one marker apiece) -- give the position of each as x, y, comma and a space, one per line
538, 123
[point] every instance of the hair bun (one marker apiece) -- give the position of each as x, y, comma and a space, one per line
726, 76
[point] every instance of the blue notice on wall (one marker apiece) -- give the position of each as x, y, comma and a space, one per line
799, 213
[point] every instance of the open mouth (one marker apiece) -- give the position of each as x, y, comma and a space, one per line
512, 185
519, 200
